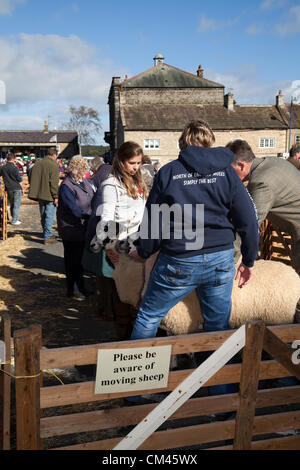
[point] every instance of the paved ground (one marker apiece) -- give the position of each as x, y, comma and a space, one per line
37, 293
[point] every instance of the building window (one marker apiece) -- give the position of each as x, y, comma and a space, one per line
152, 144
297, 139
267, 143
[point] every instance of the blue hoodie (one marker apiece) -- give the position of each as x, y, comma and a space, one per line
206, 187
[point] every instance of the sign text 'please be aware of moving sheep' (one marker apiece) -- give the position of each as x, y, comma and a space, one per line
126, 370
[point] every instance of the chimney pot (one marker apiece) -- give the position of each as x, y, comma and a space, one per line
200, 71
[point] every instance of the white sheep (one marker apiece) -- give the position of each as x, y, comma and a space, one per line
271, 295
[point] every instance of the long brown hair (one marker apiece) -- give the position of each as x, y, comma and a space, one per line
131, 182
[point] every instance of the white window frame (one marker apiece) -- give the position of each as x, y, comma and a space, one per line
267, 143
297, 139
154, 142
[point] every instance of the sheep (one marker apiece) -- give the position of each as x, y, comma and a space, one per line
272, 295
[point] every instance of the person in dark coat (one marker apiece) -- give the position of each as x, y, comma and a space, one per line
74, 209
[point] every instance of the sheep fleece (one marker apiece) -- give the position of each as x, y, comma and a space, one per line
272, 295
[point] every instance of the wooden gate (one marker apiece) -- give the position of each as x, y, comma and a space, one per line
45, 420
5, 382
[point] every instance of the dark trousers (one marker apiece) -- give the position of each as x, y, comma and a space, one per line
73, 252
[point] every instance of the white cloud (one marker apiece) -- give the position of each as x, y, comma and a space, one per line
254, 29
292, 91
44, 74
272, 4
208, 25
247, 87
8, 6
291, 23
51, 67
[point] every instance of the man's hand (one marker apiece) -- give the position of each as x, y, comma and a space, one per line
55, 202
113, 256
135, 256
243, 275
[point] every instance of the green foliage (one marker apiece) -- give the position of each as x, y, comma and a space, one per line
95, 150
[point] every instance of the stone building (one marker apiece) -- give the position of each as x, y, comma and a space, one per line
39, 142
153, 107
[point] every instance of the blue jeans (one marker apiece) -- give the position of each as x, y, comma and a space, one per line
48, 213
14, 199
172, 279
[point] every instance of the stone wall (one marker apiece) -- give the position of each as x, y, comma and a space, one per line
170, 96
169, 148
252, 137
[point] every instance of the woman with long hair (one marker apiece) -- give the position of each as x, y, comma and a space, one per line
124, 195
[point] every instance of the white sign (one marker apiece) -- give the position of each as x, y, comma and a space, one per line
126, 370
2, 352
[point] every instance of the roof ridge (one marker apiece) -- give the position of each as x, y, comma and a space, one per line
123, 83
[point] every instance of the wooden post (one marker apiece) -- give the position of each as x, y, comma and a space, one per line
5, 381
281, 352
27, 371
248, 385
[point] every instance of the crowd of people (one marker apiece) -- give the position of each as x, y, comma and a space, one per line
102, 203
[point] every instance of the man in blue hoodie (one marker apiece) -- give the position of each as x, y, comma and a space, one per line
207, 204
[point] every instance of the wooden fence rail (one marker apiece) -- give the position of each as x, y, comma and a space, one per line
5, 383
37, 432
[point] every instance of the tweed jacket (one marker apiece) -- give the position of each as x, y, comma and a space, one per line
44, 180
274, 185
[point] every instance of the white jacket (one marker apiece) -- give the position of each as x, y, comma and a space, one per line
119, 207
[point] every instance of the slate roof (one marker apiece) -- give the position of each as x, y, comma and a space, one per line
175, 117
295, 116
38, 137
167, 76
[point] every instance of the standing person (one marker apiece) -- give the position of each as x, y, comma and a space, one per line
294, 157
13, 182
210, 202
74, 208
44, 180
124, 196
274, 185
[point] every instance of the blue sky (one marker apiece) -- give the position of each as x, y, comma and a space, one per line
60, 53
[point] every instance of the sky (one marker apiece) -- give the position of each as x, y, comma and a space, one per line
65, 52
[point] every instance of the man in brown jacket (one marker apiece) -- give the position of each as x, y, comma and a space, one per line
44, 189
274, 185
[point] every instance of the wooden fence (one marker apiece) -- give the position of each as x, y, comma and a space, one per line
5, 383
275, 245
33, 400
3, 211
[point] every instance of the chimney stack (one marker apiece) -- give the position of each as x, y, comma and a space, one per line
228, 102
280, 100
46, 126
200, 71
116, 81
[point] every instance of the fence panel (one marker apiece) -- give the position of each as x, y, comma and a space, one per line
5, 383
109, 420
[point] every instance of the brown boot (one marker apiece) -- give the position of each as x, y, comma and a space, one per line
123, 314
49, 240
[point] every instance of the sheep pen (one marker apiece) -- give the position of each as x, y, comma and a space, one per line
272, 295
